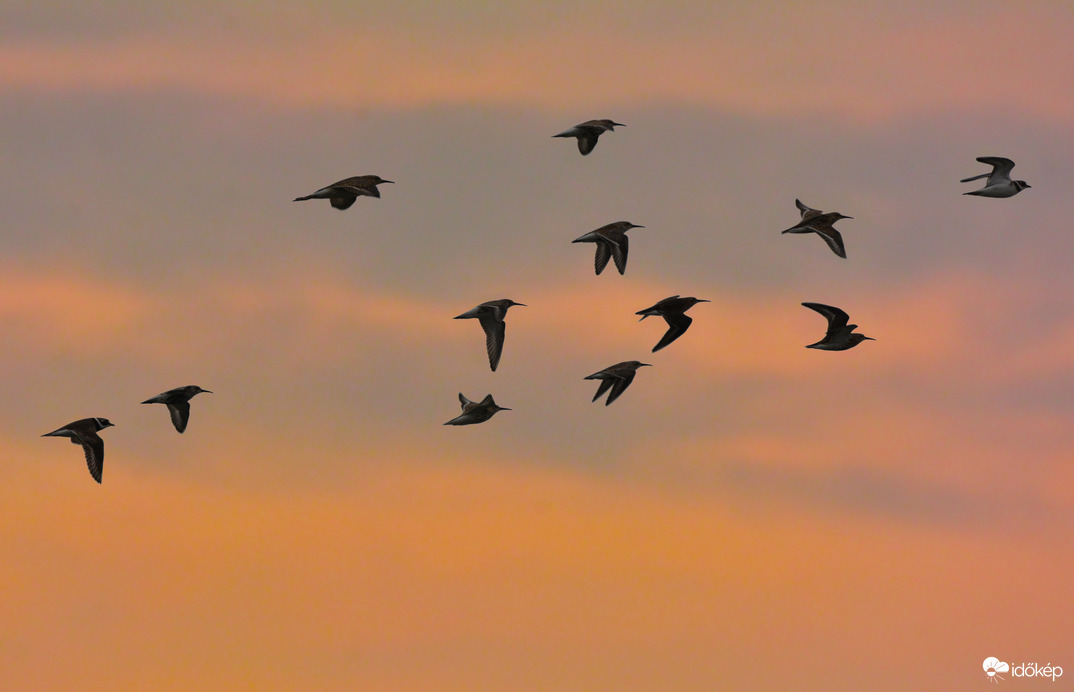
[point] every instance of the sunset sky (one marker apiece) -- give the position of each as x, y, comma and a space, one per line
749, 515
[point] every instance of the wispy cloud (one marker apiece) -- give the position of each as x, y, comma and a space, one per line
803, 70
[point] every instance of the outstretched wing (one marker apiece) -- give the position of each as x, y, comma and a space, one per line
1001, 169
620, 246
619, 385
604, 253
494, 336
678, 323
93, 446
837, 319
804, 209
605, 385
834, 240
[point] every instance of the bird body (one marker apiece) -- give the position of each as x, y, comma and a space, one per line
84, 432
816, 221
476, 412
490, 315
615, 378
343, 193
999, 183
612, 243
840, 335
178, 402
673, 311
588, 132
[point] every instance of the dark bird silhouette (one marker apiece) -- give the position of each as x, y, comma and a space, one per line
673, 311
343, 194
490, 316
612, 243
178, 402
84, 432
616, 378
839, 336
476, 412
816, 221
588, 133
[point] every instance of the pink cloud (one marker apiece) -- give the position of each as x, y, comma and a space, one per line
805, 63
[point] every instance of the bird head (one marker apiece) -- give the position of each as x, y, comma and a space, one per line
1021, 184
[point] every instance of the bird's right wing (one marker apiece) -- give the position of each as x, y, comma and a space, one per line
604, 253
619, 385
93, 446
180, 412
834, 240
586, 143
678, 323
620, 246
495, 330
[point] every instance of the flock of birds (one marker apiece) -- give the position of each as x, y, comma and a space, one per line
612, 244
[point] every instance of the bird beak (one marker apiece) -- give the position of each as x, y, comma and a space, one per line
848, 217
205, 391
619, 124
522, 304
645, 365
503, 408
702, 300
636, 226
388, 181
868, 338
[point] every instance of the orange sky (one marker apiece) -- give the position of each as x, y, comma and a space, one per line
750, 515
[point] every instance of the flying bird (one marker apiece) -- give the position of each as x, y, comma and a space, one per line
616, 378
178, 402
476, 412
999, 183
588, 133
490, 316
84, 432
838, 336
343, 193
612, 243
816, 221
673, 311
